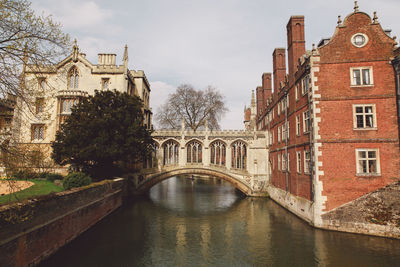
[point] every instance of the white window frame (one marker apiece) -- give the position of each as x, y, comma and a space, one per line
298, 160
307, 161
306, 126
306, 83
362, 84
374, 122
279, 134
297, 92
359, 171
283, 162
298, 125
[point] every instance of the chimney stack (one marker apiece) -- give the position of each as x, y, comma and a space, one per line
296, 43
279, 67
267, 86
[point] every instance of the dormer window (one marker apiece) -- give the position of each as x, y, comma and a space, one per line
73, 78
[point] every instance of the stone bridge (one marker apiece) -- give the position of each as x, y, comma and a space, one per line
239, 157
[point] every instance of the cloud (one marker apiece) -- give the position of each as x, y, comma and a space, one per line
159, 93
225, 43
75, 14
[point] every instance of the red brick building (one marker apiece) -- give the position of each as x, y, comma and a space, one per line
333, 118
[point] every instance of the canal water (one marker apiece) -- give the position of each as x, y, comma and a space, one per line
206, 222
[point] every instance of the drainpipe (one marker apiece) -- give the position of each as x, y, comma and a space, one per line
396, 66
311, 136
286, 143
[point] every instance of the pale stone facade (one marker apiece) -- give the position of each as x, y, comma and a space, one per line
52, 91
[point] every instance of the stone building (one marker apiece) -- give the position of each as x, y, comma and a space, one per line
52, 91
332, 121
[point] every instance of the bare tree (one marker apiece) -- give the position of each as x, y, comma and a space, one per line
27, 42
26, 38
194, 106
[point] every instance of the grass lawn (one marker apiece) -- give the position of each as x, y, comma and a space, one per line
40, 187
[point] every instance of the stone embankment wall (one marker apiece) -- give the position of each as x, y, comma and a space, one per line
376, 213
33, 230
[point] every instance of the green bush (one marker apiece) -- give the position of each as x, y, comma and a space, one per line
76, 179
54, 176
42, 175
24, 175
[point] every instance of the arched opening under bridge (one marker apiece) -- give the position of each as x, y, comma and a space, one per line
154, 179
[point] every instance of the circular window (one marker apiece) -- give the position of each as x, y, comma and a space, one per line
359, 39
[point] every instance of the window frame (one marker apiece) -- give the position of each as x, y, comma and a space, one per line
306, 129
298, 161
298, 130
40, 135
371, 76
377, 159
307, 162
374, 122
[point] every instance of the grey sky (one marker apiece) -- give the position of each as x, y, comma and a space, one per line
224, 43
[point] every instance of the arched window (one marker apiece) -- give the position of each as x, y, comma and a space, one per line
171, 152
151, 160
194, 152
218, 153
239, 155
73, 78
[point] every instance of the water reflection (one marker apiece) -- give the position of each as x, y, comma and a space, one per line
208, 224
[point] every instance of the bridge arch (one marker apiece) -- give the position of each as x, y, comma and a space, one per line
154, 179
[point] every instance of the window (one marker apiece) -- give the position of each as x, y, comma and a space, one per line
239, 155
279, 134
361, 76
73, 78
270, 137
307, 161
284, 132
170, 153
283, 162
288, 162
288, 130
306, 121
279, 108
297, 92
42, 84
37, 132
364, 116
367, 161
67, 104
218, 153
306, 84
298, 160
359, 40
105, 82
194, 152
298, 125
39, 105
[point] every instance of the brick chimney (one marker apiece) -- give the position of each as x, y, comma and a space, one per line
259, 100
279, 67
296, 43
267, 86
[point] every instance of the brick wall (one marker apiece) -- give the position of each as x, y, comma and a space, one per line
33, 230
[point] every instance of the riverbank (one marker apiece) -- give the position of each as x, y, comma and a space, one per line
36, 228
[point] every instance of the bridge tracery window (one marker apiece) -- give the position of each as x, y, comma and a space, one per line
170, 153
194, 152
218, 153
239, 155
